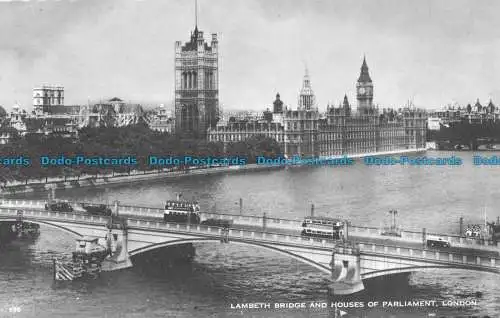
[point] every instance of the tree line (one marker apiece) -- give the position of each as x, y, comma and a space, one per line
465, 132
137, 141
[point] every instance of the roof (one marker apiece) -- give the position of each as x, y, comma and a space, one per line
131, 108
87, 239
115, 99
193, 44
324, 218
346, 102
34, 124
364, 76
73, 110
181, 202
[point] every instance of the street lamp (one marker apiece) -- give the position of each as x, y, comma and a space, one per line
393, 213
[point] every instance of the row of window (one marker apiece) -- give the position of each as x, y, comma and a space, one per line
239, 137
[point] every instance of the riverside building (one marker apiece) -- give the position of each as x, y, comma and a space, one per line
196, 84
307, 132
51, 116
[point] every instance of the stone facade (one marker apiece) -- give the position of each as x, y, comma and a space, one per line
46, 96
339, 131
196, 84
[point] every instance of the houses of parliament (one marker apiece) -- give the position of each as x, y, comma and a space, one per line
304, 131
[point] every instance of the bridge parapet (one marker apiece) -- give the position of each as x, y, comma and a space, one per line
126, 210
22, 204
381, 249
346, 249
53, 216
486, 261
434, 256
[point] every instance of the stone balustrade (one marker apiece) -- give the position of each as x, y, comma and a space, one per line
276, 223
267, 237
51, 216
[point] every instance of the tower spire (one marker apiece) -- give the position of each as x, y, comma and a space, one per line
196, 14
364, 76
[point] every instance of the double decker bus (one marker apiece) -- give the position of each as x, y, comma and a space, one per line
323, 227
182, 212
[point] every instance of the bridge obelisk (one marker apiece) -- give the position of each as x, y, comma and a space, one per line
346, 271
120, 259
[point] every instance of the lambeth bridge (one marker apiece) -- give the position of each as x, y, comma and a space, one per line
366, 253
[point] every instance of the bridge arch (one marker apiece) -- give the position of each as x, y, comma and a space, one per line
49, 224
305, 260
423, 268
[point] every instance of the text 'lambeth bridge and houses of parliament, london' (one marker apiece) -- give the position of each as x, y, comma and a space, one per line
305, 131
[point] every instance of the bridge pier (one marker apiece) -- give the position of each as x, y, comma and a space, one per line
7, 233
346, 271
120, 259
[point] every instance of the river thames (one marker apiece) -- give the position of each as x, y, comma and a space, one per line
224, 275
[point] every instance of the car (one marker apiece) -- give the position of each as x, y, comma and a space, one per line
218, 222
438, 243
97, 209
61, 206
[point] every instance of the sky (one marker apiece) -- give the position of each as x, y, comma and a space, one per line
431, 52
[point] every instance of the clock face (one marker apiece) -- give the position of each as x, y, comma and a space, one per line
362, 90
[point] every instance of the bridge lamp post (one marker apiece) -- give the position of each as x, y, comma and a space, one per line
264, 222
393, 213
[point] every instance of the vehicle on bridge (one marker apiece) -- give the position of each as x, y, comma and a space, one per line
218, 222
182, 212
59, 206
473, 231
494, 230
435, 241
323, 227
97, 209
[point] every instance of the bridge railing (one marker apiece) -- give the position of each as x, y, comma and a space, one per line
490, 261
277, 223
231, 233
51, 216
442, 256
22, 203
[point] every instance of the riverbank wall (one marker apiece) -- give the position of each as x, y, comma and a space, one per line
47, 184
42, 185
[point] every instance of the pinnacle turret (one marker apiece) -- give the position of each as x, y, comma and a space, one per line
364, 76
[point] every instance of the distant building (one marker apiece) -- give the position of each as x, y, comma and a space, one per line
364, 89
6, 131
51, 116
196, 84
160, 119
28, 123
339, 131
111, 113
434, 123
46, 96
17, 119
476, 114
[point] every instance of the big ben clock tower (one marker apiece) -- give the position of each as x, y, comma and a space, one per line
364, 88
